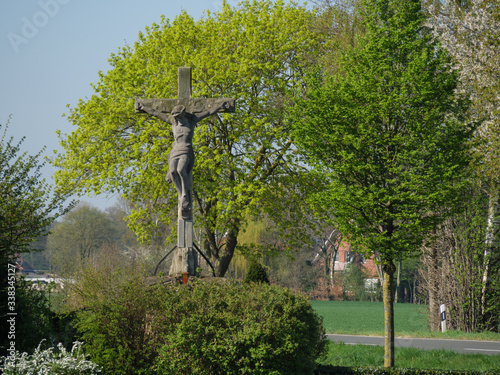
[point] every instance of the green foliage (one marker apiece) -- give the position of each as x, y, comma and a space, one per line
36, 320
342, 22
27, 208
203, 328
27, 204
353, 282
244, 161
111, 307
392, 140
256, 274
235, 329
34, 316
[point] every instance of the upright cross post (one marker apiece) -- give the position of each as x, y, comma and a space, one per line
183, 113
185, 226
184, 83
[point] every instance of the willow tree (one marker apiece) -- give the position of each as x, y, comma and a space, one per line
389, 132
245, 163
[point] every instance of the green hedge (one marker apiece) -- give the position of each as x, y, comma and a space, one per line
203, 328
333, 370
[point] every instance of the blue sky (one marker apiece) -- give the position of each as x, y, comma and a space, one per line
51, 50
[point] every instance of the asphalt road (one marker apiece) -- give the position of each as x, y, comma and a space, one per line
459, 346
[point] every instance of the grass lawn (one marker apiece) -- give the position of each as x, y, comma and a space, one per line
367, 318
373, 356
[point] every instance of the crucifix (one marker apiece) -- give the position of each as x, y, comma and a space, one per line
183, 114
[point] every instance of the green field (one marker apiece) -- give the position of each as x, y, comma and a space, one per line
367, 318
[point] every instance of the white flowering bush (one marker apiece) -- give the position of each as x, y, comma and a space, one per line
49, 362
472, 36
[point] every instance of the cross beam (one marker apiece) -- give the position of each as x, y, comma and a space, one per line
192, 105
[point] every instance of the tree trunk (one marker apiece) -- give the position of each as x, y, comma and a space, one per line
326, 257
222, 255
432, 280
492, 228
332, 266
389, 269
398, 282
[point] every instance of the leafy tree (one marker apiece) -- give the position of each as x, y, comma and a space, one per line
86, 233
389, 131
353, 282
470, 30
255, 52
27, 208
27, 204
80, 235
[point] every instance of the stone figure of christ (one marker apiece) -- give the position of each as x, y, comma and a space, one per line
181, 156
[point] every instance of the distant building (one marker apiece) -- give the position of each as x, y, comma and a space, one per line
346, 255
332, 286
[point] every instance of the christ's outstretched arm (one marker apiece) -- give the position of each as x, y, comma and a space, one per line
212, 111
162, 116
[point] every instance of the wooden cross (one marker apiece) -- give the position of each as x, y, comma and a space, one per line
192, 105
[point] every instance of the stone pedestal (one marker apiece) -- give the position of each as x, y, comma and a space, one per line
185, 260
185, 256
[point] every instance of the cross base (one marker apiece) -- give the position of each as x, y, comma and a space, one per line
185, 260
185, 257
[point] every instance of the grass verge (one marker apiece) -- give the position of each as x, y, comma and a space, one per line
340, 354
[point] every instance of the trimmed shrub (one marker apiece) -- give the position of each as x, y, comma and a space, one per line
256, 274
217, 328
204, 328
